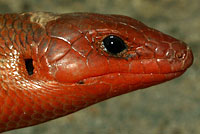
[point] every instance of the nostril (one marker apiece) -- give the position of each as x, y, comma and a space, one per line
180, 55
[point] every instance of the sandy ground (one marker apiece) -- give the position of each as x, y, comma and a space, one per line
169, 108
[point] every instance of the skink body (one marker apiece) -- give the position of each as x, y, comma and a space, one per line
52, 65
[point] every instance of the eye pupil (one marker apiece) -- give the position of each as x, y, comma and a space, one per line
114, 44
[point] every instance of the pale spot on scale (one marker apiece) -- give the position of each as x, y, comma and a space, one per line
73, 65
158, 60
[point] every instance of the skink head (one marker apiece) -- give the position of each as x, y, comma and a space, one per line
52, 65
118, 51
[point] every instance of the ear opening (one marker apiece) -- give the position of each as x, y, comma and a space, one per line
29, 66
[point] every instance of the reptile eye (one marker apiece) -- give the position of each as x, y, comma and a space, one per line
114, 44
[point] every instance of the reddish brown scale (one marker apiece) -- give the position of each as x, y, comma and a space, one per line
72, 69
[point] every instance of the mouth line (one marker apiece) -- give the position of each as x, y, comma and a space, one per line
175, 72
118, 74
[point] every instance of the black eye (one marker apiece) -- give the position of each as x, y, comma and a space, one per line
114, 44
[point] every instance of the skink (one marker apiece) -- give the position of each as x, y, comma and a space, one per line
52, 65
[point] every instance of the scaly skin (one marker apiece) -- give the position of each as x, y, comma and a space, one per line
72, 70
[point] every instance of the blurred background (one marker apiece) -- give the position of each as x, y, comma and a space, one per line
169, 108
